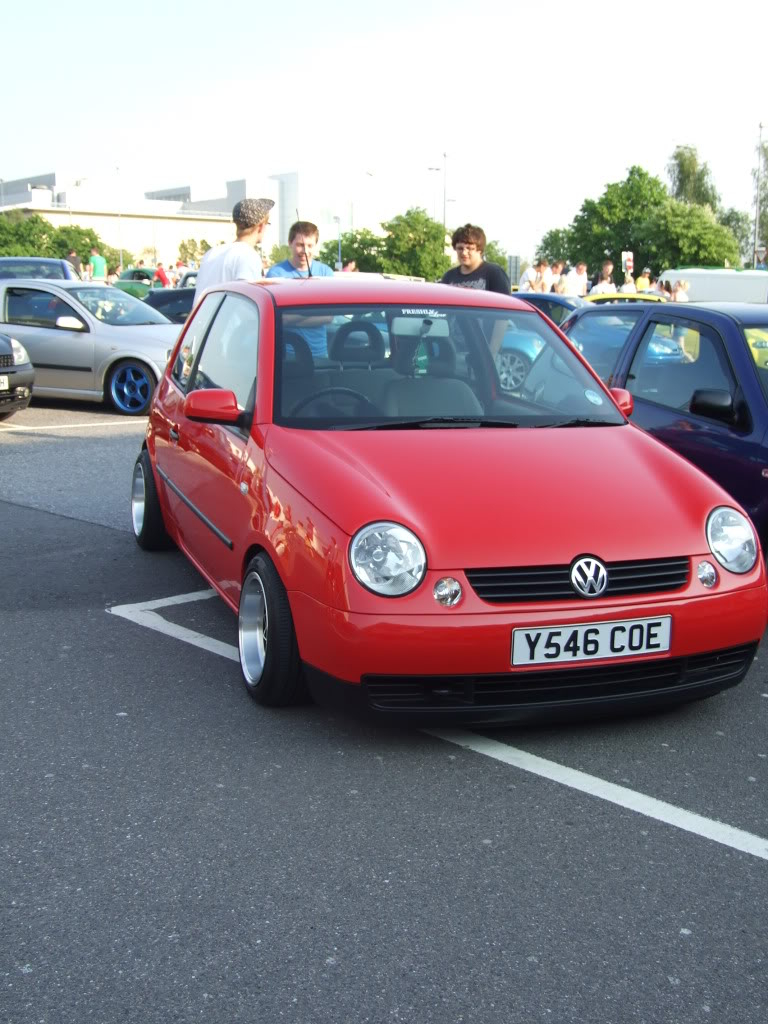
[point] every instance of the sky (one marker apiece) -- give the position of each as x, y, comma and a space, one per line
526, 109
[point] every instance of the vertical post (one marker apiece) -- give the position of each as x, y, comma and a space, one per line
445, 184
757, 198
119, 227
339, 264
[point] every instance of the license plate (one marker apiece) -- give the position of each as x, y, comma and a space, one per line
588, 641
4, 382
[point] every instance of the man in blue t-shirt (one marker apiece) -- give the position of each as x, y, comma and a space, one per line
303, 238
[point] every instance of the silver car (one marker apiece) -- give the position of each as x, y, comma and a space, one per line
88, 341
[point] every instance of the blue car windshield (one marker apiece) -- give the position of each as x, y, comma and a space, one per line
369, 366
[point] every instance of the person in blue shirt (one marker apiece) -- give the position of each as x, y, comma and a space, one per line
303, 238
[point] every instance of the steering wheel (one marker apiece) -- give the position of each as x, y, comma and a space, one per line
348, 392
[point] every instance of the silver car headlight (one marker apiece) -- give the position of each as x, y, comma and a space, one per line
388, 559
20, 354
731, 539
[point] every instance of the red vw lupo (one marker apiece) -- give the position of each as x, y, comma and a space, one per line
390, 525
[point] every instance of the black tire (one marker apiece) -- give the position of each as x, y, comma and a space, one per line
146, 514
130, 386
266, 640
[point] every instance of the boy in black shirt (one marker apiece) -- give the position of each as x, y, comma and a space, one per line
473, 271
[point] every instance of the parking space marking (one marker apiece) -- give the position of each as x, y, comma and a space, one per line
11, 429
708, 828
145, 614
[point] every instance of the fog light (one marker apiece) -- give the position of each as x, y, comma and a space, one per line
447, 591
707, 574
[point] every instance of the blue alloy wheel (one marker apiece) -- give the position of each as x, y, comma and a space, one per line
130, 388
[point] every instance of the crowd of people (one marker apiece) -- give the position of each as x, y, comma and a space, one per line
242, 260
542, 277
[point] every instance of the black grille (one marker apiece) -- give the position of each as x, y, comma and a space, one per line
711, 672
6, 361
553, 582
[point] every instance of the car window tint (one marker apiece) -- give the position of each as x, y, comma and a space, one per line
600, 337
35, 307
193, 339
228, 357
674, 359
555, 311
757, 340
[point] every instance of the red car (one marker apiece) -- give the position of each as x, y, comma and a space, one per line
395, 530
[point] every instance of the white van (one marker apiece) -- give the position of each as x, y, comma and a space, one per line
720, 285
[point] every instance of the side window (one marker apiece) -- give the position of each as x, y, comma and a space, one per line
675, 359
600, 337
35, 307
193, 339
229, 355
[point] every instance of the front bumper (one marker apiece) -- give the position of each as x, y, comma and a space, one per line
458, 667
19, 396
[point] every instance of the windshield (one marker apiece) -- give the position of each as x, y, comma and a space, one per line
112, 306
367, 366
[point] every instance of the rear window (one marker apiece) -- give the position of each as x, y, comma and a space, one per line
52, 271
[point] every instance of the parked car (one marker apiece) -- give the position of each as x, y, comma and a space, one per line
556, 307
409, 537
138, 281
599, 332
37, 266
708, 399
88, 341
17, 377
188, 279
175, 303
613, 297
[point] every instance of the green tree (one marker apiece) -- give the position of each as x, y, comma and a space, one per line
495, 254
69, 237
361, 246
740, 225
604, 227
555, 245
25, 236
192, 251
679, 234
691, 181
414, 244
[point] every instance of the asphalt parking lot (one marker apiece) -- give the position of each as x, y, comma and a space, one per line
172, 852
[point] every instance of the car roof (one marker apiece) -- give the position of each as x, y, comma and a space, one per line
32, 259
326, 290
743, 312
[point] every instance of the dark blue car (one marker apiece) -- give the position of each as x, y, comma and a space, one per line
699, 378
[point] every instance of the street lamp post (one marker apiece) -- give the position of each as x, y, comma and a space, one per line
757, 197
445, 184
119, 227
338, 261
434, 204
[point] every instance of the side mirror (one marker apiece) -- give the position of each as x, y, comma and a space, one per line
70, 323
624, 400
714, 404
212, 405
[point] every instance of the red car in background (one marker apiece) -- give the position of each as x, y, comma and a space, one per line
396, 530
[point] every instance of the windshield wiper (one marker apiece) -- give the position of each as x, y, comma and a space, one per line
428, 422
581, 421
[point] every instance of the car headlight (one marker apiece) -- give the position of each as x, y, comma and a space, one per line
731, 539
388, 559
20, 354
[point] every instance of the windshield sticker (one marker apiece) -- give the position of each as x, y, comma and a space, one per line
424, 312
593, 397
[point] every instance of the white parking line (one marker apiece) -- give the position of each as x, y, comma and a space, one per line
708, 828
145, 614
142, 421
